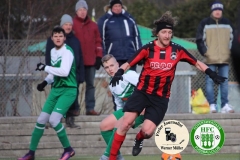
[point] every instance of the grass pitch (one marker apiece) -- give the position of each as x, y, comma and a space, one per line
155, 157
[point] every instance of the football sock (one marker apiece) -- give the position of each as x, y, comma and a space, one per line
106, 135
31, 152
68, 149
140, 135
109, 144
139, 120
36, 136
62, 135
116, 144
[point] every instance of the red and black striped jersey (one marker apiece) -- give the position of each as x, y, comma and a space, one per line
159, 66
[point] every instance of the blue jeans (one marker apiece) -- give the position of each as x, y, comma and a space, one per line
90, 89
222, 71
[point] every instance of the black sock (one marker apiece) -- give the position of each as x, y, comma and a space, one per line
68, 149
31, 152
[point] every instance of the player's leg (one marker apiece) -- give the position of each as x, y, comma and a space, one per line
40, 125
65, 100
108, 128
139, 120
120, 134
131, 110
153, 115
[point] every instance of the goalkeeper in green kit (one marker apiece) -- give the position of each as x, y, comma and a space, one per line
62, 74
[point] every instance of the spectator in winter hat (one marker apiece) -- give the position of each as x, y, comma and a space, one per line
119, 33
214, 40
88, 34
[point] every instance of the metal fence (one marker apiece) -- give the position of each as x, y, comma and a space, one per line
18, 81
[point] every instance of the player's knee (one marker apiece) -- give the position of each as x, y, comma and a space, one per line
126, 125
54, 122
147, 133
43, 118
55, 119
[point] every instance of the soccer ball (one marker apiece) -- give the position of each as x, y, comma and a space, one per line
166, 156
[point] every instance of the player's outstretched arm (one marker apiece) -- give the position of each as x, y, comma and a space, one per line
118, 75
125, 66
212, 74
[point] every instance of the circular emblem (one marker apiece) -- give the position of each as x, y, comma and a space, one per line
171, 136
207, 137
173, 55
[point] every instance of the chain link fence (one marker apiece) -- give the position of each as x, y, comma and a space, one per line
198, 81
18, 81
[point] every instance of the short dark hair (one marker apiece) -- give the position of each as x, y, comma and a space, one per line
58, 30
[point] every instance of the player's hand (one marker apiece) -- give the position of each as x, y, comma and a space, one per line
214, 76
117, 77
40, 67
41, 86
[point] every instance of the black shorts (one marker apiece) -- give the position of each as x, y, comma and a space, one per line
156, 106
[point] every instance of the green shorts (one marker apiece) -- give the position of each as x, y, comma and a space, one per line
138, 121
118, 114
60, 100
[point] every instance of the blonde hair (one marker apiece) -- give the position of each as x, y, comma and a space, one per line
107, 57
165, 18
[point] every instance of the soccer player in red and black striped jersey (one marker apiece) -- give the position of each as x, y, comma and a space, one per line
161, 57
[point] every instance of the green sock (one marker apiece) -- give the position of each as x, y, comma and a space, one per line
62, 135
36, 136
106, 135
109, 145
139, 120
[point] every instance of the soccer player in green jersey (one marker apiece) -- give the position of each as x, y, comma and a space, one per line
62, 74
121, 92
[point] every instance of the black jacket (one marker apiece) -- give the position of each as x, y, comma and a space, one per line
74, 43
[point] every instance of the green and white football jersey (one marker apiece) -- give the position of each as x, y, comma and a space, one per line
63, 69
125, 88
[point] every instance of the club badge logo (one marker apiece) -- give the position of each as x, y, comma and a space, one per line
173, 55
207, 137
171, 136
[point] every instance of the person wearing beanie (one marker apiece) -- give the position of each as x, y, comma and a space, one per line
66, 23
91, 43
154, 86
214, 41
119, 33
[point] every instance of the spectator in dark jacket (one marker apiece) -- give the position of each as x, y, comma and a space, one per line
87, 33
119, 32
73, 42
